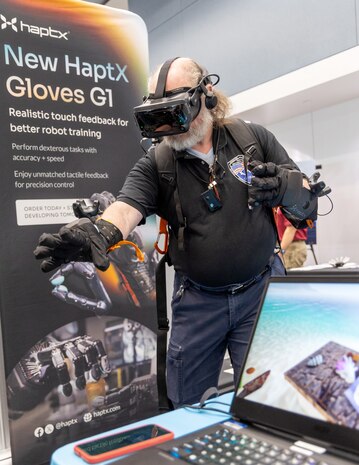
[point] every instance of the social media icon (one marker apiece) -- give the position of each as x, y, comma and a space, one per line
39, 432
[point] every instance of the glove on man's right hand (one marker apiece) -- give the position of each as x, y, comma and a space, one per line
273, 185
78, 241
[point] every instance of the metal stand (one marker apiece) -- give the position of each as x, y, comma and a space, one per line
314, 256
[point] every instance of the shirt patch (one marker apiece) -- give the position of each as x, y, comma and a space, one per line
237, 168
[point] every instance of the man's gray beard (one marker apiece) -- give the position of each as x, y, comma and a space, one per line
194, 135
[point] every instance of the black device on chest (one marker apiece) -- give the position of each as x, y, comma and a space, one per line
212, 202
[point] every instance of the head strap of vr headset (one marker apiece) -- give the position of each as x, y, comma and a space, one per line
160, 91
162, 78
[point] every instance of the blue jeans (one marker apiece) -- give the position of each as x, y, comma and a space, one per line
204, 326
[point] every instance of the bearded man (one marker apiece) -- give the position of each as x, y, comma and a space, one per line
218, 201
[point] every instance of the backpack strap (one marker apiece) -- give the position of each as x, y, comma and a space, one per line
244, 137
167, 171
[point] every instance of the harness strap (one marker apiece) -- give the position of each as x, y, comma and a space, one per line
181, 219
163, 327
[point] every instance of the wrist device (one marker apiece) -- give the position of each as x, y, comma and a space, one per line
110, 233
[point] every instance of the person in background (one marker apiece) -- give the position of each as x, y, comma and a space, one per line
218, 202
292, 241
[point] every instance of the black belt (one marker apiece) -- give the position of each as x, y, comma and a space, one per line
232, 289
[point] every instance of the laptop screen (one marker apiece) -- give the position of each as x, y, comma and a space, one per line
302, 366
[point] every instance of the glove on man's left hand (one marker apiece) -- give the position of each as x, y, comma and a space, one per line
273, 185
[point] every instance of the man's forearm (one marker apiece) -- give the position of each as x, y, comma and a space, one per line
288, 237
123, 216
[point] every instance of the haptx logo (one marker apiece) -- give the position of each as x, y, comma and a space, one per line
5, 23
31, 29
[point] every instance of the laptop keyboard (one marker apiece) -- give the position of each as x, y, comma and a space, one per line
224, 447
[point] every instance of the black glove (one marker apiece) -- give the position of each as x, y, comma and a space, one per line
81, 240
273, 185
304, 212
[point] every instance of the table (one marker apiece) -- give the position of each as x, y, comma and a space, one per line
181, 421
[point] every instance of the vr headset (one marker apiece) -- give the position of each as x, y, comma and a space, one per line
169, 113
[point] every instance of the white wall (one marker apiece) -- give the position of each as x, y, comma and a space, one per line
330, 138
248, 42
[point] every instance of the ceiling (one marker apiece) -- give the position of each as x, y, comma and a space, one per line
322, 84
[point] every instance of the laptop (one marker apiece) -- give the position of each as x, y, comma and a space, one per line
297, 399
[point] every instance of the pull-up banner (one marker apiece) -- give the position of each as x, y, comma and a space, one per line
79, 345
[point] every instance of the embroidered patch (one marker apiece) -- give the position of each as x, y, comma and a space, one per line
237, 168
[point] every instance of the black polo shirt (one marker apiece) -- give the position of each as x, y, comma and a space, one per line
227, 246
